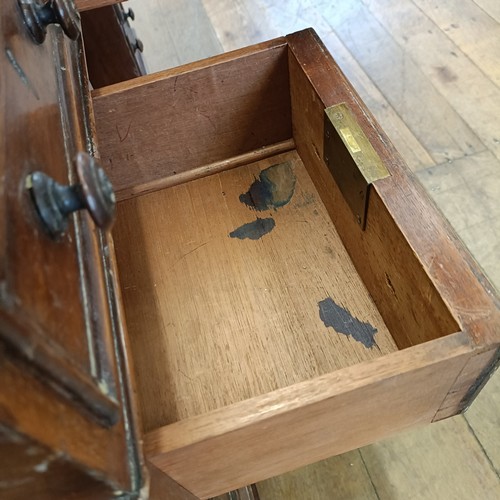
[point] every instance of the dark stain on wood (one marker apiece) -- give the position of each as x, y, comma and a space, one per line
254, 230
273, 189
445, 74
342, 321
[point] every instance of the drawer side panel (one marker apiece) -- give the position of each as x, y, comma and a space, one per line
419, 273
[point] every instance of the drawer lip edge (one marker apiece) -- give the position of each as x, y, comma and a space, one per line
275, 403
278, 43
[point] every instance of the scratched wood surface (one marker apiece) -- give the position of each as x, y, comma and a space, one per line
455, 157
232, 105
215, 319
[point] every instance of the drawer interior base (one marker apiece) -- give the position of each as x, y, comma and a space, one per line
238, 284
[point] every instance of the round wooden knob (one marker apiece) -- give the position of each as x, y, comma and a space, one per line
129, 14
38, 14
97, 190
139, 45
54, 202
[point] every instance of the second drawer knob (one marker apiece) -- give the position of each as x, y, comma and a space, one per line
38, 14
54, 202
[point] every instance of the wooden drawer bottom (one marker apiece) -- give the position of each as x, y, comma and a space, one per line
225, 302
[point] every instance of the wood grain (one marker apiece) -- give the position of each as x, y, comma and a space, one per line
466, 190
400, 20
390, 117
44, 301
472, 373
94, 4
235, 25
395, 201
491, 7
472, 30
162, 487
483, 240
221, 107
215, 320
205, 170
259, 438
484, 419
343, 477
242, 22
439, 461
411, 303
267, 19
29, 406
389, 266
407, 87
59, 369
29, 470
404, 85
33, 107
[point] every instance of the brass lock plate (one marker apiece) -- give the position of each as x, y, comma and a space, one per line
351, 159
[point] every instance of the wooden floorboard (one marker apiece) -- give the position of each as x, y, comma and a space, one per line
415, 154
430, 73
490, 7
467, 189
473, 31
432, 119
451, 72
174, 32
442, 461
341, 477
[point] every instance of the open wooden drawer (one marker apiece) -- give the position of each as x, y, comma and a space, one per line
271, 325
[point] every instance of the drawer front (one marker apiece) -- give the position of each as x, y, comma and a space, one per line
52, 298
113, 52
20, 476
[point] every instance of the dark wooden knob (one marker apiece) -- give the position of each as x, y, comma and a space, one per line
54, 202
38, 14
129, 14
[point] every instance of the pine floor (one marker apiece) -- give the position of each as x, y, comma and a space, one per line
430, 72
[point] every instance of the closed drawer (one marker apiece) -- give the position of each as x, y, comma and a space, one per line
113, 52
60, 381
289, 290
53, 299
